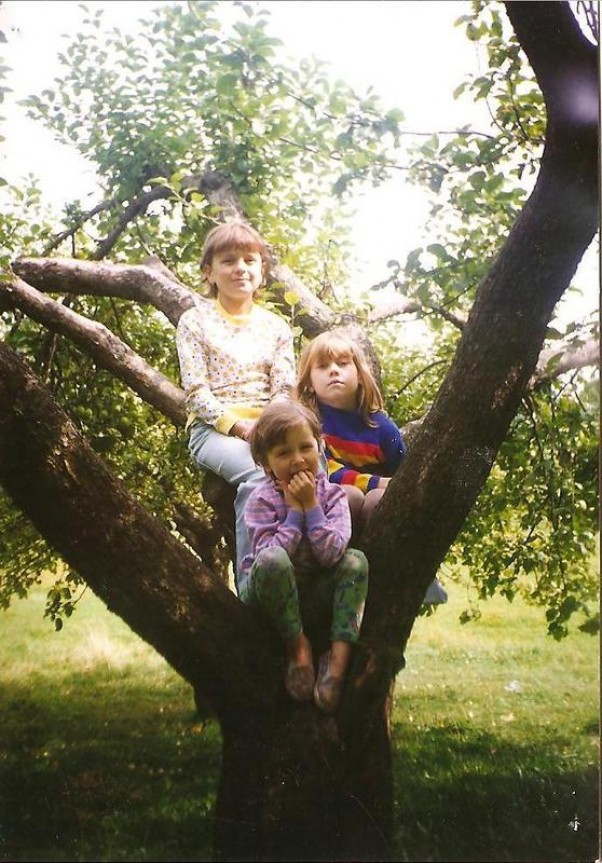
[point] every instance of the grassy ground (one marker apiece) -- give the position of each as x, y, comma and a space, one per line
102, 757
497, 740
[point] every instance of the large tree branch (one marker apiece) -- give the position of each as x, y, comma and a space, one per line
143, 283
554, 362
428, 499
403, 306
564, 62
105, 348
129, 559
154, 284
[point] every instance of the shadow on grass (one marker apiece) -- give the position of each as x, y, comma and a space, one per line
117, 771
115, 777
464, 795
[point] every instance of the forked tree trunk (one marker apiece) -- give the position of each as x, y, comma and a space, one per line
295, 784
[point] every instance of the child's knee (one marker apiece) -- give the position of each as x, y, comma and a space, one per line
272, 561
355, 562
272, 571
372, 499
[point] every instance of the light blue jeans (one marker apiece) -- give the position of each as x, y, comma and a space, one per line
230, 458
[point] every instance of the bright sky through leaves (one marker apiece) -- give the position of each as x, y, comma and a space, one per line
409, 51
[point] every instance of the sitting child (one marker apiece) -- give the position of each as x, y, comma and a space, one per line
363, 446
299, 529
235, 357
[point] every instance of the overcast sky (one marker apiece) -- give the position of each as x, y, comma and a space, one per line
408, 50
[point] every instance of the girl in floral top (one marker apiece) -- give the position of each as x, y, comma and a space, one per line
235, 358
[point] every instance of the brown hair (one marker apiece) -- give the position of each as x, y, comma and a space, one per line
275, 421
332, 345
233, 235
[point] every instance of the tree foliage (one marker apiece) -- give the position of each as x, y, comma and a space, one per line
190, 99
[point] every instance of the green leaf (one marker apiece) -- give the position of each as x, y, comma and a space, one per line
226, 84
291, 298
438, 251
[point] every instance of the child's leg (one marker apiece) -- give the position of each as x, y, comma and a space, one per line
272, 586
370, 501
435, 592
230, 458
355, 498
361, 505
351, 588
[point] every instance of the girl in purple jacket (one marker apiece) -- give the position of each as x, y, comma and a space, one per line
299, 528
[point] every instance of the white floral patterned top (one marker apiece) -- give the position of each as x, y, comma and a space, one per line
232, 366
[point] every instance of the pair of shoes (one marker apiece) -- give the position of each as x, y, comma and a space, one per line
299, 681
328, 689
435, 593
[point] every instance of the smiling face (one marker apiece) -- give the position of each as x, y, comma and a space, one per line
334, 380
236, 275
297, 451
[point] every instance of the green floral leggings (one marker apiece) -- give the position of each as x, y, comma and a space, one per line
274, 586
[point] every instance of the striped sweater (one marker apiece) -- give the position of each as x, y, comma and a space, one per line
359, 454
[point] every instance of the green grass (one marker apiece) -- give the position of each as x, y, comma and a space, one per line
496, 732
102, 757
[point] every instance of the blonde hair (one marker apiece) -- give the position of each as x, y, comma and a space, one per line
233, 235
274, 423
335, 344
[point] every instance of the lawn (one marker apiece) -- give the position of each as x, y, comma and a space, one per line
103, 758
496, 738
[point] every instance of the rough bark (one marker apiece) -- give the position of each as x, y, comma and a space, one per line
295, 784
145, 284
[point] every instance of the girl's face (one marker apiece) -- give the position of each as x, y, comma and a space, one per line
335, 381
298, 451
237, 274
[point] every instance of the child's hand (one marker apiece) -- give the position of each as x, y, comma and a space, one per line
302, 487
383, 482
242, 429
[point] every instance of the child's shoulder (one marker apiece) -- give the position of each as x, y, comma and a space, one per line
260, 313
381, 418
199, 309
265, 489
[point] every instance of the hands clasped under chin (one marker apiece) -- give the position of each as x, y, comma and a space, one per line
300, 492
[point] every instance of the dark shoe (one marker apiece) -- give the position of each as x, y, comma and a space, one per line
435, 593
328, 689
299, 681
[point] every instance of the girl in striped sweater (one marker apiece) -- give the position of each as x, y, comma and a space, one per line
364, 447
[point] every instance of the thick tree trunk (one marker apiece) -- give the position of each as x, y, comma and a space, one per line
290, 782
455, 447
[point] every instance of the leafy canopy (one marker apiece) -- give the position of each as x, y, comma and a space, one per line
194, 93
